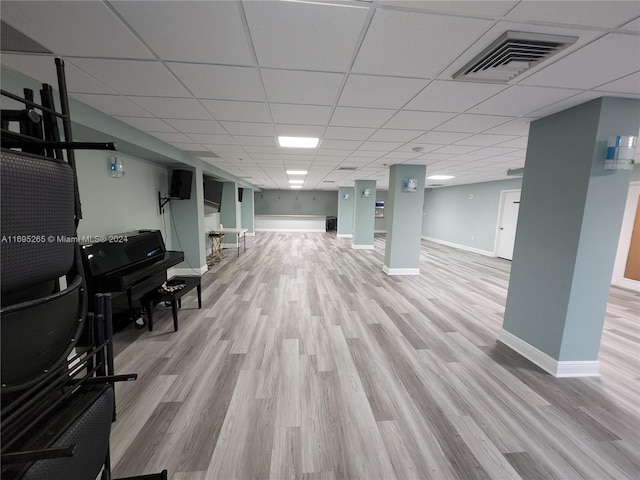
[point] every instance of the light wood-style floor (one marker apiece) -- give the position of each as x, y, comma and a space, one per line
308, 362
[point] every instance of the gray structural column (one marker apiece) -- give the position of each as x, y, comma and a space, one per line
187, 220
345, 211
247, 211
364, 208
568, 227
230, 211
403, 212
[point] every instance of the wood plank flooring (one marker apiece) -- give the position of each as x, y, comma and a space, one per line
308, 362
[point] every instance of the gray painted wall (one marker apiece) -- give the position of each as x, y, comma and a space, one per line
450, 215
112, 205
290, 202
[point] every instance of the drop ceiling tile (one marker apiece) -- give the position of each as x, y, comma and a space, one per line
209, 32
341, 144
629, 84
295, 35
220, 81
246, 128
441, 38
485, 140
470, 123
379, 92
260, 149
606, 14
453, 96
348, 133
440, 138
434, 156
517, 126
380, 146
83, 29
455, 149
42, 68
567, 103
301, 114
313, 88
579, 70
489, 9
174, 137
219, 140
164, 107
196, 126
393, 135
257, 141
112, 105
131, 77
360, 117
495, 151
633, 26
237, 111
520, 100
518, 142
147, 124
408, 119
212, 139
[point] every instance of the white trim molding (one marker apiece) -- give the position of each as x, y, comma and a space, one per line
400, 271
564, 369
361, 247
172, 272
250, 234
459, 246
345, 235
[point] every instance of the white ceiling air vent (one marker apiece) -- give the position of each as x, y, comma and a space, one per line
12, 40
512, 54
348, 168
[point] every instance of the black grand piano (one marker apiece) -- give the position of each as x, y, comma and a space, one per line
128, 265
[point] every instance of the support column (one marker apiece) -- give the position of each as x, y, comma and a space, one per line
187, 221
403, 212
568, 226
247, 211
345, 211
230, 212
364, 209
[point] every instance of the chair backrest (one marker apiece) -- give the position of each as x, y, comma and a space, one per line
40, 323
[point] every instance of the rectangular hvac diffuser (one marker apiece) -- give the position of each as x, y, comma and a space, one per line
621, 151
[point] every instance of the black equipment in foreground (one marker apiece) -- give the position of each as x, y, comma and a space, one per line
128, 265
57, 389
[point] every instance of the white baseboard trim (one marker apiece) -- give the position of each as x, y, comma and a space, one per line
379, 231
173, 272
361, 247
400, 271
303, 230
564, 369
345, 235
459, 246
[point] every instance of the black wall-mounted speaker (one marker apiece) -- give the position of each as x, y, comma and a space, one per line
240, 191
181, 184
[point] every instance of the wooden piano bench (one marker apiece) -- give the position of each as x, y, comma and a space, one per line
154, 297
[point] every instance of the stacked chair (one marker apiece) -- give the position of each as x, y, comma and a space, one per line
57, 384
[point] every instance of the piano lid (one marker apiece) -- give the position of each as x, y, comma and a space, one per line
123, 250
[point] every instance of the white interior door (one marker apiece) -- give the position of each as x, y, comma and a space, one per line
507, 222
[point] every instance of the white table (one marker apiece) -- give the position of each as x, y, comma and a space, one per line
235, 231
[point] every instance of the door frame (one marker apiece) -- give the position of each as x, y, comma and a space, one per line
503, 194
624, 243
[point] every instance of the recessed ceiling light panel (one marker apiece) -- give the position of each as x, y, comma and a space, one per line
296, 172
298, 142
299, 182
440, 177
